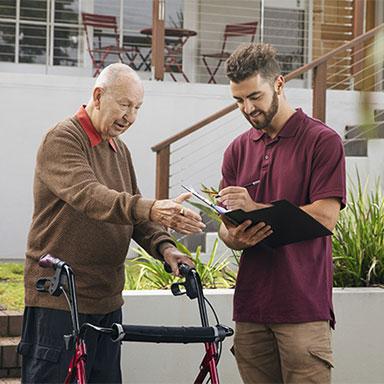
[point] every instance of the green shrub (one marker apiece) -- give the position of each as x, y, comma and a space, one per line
151, 274
358, 241
216, 273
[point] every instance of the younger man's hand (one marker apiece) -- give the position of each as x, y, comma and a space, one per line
238, 198
245, 235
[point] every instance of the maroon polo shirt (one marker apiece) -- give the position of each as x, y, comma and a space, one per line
304, 163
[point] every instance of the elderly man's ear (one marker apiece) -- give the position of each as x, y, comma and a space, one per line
97, 93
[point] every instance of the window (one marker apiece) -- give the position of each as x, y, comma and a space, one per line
284, 29
49, 32
7, 41
136, 16
7, 30
39, 31
66, 33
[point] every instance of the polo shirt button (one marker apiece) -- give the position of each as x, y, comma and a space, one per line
266, 157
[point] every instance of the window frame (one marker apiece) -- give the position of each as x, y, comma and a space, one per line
50, 24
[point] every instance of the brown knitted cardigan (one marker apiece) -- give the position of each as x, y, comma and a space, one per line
87, 207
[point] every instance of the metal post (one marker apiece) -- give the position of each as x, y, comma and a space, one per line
80, 46
50, 33
121, 32
262, 6
309, 41
17, 31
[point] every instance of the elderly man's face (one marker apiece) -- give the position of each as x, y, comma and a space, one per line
118, 106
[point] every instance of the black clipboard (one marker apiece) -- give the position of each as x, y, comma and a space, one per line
290, 224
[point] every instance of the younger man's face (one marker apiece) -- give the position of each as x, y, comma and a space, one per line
257, 100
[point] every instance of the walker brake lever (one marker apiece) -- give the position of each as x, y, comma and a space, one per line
191, 283
53, 288
175, 289
41, 284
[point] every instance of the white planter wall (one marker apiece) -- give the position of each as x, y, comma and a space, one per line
168, 363
358, 338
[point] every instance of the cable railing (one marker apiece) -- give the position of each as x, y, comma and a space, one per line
361, 132
340, 75
364, 69
193, 156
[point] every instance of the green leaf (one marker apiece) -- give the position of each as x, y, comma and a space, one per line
358, 240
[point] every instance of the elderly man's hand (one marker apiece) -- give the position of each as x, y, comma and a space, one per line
173, 257
172, 214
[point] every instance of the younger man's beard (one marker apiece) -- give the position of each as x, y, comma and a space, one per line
268, 115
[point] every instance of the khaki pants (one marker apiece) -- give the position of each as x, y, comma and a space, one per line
284, 353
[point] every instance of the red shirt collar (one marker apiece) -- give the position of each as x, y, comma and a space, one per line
93, 136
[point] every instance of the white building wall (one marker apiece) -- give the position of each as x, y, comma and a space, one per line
32, 103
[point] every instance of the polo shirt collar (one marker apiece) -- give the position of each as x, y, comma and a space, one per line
292, 124
256, 134
93, 136
289, 129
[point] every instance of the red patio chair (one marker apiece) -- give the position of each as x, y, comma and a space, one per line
230, 31
104, 30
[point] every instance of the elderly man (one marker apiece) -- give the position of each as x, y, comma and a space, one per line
87, 208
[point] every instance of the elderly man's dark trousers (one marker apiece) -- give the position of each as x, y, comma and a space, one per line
45, 358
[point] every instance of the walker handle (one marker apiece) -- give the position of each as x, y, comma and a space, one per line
49, 261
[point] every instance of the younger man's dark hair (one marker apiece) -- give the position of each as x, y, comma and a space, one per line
251, 59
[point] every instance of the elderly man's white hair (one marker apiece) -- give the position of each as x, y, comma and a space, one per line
114, 72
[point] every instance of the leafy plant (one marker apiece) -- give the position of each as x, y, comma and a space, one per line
216, 272
358, 241
133, 276
151, 274
210, 193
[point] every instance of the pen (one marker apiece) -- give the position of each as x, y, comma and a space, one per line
251, 184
